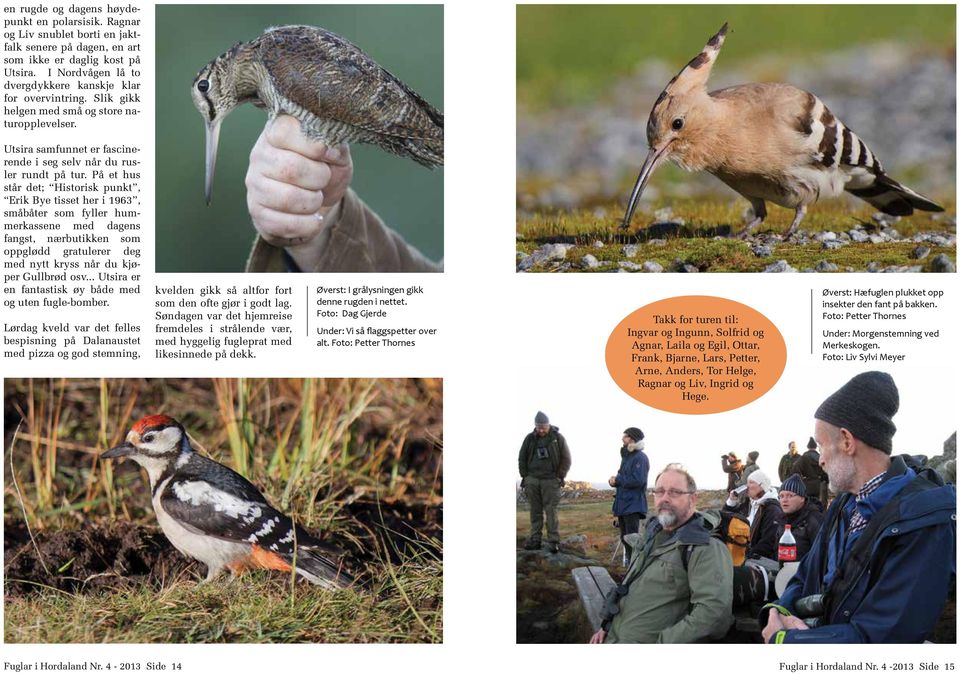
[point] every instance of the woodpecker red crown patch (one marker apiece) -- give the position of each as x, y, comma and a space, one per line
153, 420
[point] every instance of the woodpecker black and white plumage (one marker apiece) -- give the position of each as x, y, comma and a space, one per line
769, 142
215, 515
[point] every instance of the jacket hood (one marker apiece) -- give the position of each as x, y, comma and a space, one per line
768, 496
634, 446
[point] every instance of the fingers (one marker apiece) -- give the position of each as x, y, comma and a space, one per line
285, 134
288, 167
279, 196
285, 229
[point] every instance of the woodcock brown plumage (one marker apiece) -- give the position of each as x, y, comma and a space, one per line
338, 93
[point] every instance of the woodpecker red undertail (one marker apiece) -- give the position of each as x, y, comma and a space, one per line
215, 515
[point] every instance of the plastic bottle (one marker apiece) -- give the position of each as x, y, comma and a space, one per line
787, 550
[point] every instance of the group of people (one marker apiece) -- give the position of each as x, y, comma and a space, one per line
876, 566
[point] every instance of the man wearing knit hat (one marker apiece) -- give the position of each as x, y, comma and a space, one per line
809, 470
750, 467
803, 515
630, 501
544, 462
883, 563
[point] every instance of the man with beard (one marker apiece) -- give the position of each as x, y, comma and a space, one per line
678, 587
883, 563
544, 462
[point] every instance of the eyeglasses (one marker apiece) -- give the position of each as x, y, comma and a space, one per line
672, 493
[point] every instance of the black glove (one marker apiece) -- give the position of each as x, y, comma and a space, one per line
562, 482
523, 482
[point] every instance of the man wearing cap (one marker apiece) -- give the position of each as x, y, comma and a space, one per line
785, 469
814, 479
630, 501
803, 516
678, 588
733, 467
883, 563
544, 462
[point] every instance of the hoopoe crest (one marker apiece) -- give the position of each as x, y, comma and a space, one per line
769, 142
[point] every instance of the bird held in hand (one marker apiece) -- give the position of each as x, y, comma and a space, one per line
215, 515
338, 93
769, 142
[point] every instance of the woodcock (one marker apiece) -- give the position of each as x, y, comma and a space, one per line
338, 93
769, 142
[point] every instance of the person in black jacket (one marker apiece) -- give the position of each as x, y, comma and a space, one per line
803, 516
762, 509
544, 461
787, 461
814, 479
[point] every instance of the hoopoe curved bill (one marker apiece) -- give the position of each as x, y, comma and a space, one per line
215, 515
769, 142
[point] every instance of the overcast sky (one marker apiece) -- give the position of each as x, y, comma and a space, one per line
592, 412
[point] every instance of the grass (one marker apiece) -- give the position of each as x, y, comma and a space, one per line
402, 607
358, 460
698, 246
569, 54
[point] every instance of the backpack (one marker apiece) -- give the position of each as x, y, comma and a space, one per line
733, 529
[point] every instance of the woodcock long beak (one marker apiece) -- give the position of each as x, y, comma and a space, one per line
654, 158
213, 137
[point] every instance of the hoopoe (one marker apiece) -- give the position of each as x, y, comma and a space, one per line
214, 515
769, 142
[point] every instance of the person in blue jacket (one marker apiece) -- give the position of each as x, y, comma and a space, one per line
884, 561
630, 501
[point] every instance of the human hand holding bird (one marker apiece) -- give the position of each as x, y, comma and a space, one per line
294, 186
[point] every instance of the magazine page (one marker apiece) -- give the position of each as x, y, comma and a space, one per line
764, 455
235, 326
223, 338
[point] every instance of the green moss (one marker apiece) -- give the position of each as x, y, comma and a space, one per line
705, 219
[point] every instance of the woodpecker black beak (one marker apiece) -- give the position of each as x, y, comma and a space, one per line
125, 449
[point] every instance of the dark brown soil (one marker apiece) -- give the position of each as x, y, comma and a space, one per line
91, 559
120, 555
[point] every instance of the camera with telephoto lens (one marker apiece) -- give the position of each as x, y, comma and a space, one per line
810, 609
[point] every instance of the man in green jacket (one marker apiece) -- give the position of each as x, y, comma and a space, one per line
679, 585
544, 462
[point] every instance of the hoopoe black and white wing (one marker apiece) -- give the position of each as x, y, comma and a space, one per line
839, 148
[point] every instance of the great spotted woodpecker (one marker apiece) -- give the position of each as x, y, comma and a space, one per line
213, 514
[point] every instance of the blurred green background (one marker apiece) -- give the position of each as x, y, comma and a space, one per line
407, 40
567, 54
